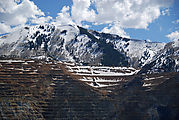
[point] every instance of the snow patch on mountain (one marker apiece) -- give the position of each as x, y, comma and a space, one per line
140, 52
167, 60
176, 43
13, 37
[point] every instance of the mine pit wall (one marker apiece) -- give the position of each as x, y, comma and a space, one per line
43, 90
25, 87
33, 89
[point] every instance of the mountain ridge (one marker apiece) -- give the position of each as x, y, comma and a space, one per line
76, 44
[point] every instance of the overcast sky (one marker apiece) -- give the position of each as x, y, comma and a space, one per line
155, 20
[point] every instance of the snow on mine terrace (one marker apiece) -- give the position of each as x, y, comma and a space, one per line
101, 71
10, 61
97, 76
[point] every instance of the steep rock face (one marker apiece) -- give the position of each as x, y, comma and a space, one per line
110, 55
76, 44
140, 52
166, 61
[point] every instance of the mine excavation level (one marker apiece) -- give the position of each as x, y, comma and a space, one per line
45, 90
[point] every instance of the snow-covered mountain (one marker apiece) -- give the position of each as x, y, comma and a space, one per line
76, 44
167, 60
62, 43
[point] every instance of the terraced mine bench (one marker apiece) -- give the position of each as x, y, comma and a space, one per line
23, 85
